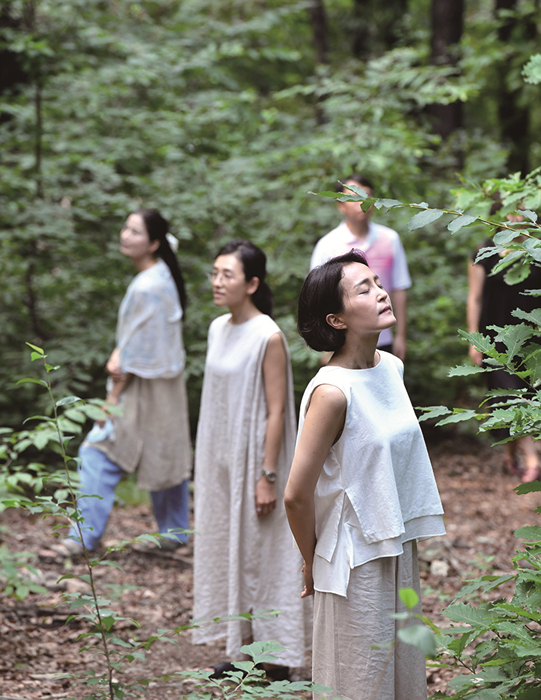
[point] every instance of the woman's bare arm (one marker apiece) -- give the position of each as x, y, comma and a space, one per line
323, 423
118, 387
120, 381
275, 381
476, 279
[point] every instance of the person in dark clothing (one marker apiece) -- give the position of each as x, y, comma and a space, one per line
490, 303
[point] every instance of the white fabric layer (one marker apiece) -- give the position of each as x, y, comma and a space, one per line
346, 656
243, 563
383, 250
376, 489
149, 333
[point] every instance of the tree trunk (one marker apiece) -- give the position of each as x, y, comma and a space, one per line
318, 18
514, 118
11, 72
375, 25
447, 25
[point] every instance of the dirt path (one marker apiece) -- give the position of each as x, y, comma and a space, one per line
36, 644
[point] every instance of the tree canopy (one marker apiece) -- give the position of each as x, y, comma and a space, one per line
226, 116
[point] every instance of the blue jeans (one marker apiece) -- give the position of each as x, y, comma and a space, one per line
99, 477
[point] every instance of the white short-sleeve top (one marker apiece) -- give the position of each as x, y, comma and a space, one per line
377, 488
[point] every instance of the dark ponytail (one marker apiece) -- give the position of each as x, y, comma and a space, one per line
157, 228
254, 263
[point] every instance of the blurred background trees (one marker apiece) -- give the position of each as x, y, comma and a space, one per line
225, 115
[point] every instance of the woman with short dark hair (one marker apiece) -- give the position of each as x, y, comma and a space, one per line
361, 491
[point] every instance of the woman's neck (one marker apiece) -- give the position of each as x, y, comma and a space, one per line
358, 354
243, 312
144, 263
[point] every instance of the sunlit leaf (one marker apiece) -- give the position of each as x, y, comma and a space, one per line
423, 218
531, 215
531, 316
465, 370
505, 236
530, 532
458, 417
36, 348
514, 337
532, 70
459, 222
419, 636
432, 412
507, 261
518, 273
387, 204
356, 189
68, 400
30, 380
479, 341
409, 597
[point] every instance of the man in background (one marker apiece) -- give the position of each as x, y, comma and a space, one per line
384, 253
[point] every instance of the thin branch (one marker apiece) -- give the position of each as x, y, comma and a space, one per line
73, 495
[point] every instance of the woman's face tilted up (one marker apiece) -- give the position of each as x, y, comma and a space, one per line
135, 242
229, 285
367, 306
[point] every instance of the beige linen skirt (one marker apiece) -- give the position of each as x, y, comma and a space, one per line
152, 436
347, 629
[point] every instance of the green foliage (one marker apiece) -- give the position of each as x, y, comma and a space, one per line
249, 681
520, 245
51, 490
219, 115
498, 642
17, 575
532, 70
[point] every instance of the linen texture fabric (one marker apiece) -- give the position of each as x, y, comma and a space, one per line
348, 652
243, 563
377, 488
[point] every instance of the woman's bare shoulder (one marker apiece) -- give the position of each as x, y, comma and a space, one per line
330, 395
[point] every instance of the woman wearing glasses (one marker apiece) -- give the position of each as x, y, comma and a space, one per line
244, 556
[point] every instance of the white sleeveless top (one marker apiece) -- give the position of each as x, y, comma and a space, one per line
377, 489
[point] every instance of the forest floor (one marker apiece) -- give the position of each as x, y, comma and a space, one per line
38, 645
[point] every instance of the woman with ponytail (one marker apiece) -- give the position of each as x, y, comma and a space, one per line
244, 557
151, 435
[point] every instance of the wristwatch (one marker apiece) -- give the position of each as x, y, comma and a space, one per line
269, 476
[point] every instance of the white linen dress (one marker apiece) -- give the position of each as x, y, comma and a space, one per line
243, 563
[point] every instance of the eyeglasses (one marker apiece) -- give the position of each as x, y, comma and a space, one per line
226, 276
